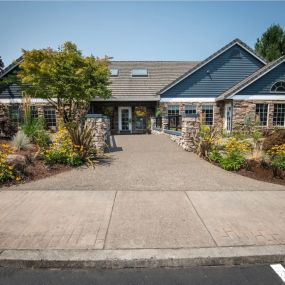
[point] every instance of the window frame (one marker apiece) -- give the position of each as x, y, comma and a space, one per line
47, 120
171, 108
275, 117
282, 82
258, 113
190, 105
205, 119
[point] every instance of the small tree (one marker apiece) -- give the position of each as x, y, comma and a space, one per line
66, 79
271, 45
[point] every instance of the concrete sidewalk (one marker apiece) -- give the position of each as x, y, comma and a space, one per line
116, 228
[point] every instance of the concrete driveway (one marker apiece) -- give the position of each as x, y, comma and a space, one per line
149, 162
149, 194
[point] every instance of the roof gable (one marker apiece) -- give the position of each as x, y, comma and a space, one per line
212, 58
258, 75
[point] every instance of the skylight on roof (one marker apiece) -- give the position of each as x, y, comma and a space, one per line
139, 72
114, 72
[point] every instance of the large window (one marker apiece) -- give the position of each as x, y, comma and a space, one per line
190, 109
208, 114
173, 110
50, 117
279, 115
261, 113
278, 87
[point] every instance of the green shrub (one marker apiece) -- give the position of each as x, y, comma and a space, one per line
20, 140
279, 162
215, 155
232, 161
35, 130
63, 151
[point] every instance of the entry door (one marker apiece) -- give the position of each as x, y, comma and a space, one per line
228, 117
125, 119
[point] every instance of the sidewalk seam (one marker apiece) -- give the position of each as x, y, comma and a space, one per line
104, 247
203, 223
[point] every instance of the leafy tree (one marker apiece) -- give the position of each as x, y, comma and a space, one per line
271, 45
66, 78
1, 65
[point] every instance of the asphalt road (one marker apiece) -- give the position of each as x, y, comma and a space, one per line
244, 275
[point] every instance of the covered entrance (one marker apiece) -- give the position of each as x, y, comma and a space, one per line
126, 117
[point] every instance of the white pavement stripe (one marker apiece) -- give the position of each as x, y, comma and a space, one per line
279, 270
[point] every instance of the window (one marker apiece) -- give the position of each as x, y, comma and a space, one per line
279, 115
190, 110
15, 114
208, 114
34, 112
114, 72
173, 110
261, 113
139, 72
278, 87
50, 117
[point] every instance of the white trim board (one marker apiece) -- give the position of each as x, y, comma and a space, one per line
20, 100
257, 97
187, 100
211, 59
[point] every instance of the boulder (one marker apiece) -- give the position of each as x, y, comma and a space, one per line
17, 160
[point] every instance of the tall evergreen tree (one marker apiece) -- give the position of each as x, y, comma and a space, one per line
271, 45
1, 65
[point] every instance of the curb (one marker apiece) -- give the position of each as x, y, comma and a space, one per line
142, 258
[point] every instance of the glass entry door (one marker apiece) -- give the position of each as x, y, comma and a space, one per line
125, 119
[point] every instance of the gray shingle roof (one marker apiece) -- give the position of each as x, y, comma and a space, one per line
235, 89
210, 58
160, 73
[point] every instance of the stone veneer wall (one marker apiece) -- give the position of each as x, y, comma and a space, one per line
218, 110
241, 109
100, 131
187, 138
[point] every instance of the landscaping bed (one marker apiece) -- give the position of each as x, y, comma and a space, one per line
251, 151
34, 169
262, 173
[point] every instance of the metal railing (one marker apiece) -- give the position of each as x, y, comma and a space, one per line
158, 122
174, 123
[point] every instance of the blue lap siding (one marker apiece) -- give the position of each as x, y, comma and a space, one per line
262, 86
217, 76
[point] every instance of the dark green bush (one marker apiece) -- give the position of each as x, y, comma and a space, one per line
215, 155
35, 130
279, 162
232, 161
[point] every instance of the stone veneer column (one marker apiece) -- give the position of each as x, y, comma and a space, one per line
190, 128
164, 123
100, 131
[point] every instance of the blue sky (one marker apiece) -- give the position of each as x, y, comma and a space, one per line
135, 30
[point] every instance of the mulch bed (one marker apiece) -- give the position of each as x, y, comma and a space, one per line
35, 170
264, 174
